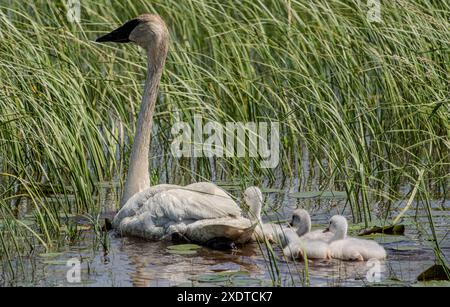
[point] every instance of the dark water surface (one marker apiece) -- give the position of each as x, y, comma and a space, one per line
136, 262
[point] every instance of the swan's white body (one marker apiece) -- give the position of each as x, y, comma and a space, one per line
356, 249
307, 249
137, 201
274, 233
199, 211
306, 244
342, 247
317, 235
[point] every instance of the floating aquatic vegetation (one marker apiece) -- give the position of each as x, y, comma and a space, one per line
183, 249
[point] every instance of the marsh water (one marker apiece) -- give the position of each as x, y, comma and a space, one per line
110, 260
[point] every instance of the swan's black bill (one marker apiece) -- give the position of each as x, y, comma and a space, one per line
291, 223
120, 35
326, 230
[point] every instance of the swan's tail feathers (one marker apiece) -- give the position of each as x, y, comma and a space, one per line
234, 233
378, 253
237, 230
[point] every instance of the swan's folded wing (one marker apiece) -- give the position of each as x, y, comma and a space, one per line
306, 249
207, 188
180, 205
368, 249
136, 202
318, 235
238, 230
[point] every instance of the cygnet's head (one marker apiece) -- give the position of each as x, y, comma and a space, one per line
301, 221
254, 199
337, 225
147, 30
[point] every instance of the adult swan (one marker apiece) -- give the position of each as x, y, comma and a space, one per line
199, 212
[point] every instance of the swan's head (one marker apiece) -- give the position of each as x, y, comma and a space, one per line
148, 31
301, 221
337, 225
254, 199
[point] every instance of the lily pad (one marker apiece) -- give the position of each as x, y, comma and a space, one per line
232, 274
184, 285
405, 248
225, 267
385, 239
245, 282
180, 252
320, 194
271, 190
226, 276
55, 262
50, 255
183, 249
210, 278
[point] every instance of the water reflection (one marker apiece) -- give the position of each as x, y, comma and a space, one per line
136, 262
154, 266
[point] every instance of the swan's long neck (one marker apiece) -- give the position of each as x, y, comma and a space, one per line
255, 206
340, 233
305, 226
138, 177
